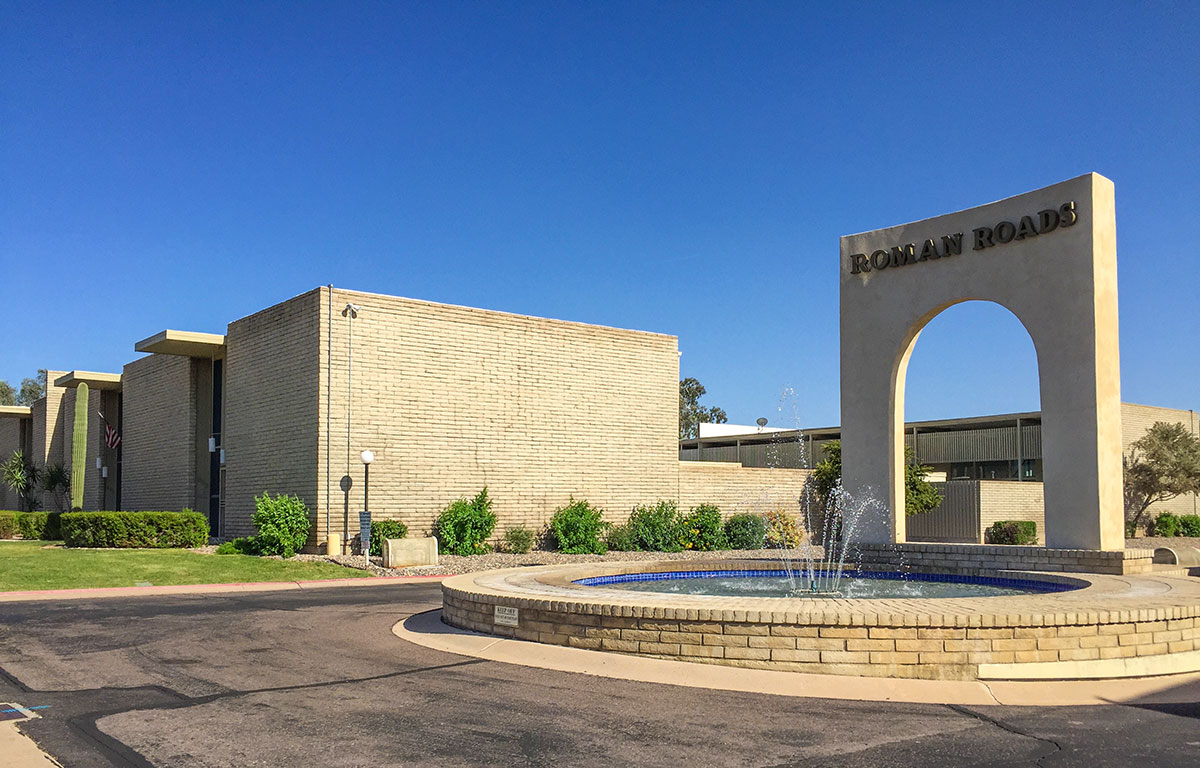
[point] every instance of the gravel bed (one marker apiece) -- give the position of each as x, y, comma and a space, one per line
1174, 542
449, 565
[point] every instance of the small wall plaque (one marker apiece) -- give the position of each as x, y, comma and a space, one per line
505, 616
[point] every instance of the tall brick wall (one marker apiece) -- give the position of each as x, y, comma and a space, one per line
453, 398
1135, 420
1008, 500
736, 489
47, 423
271, 417
159, 434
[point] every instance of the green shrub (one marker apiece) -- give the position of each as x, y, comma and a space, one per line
44, 526
282, 524
783, 529
1166, 524
620, 538
657, 528
135, 529
745, 531
1189, 525
518, 540
1020, 532
382, 530
575, 529
8, 524
702, 529
464, 527
245, 545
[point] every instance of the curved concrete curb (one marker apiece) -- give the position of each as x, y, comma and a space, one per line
427, 630
203, 589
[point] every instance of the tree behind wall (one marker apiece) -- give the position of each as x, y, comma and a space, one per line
8, 395
1161, 464
919, 496
32, 390
691, 413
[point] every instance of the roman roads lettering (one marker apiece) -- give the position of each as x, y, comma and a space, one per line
1048, 256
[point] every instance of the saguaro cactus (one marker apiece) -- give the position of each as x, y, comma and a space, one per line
79, 446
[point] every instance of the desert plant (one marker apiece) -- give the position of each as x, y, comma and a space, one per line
1020, 532
702, 529
21, 475
382, 530
282, 524
464, 527
79, 445
656, 528
134, 529
784, 530
576, 528
56, 480
745, 531
1166, 524
518, 540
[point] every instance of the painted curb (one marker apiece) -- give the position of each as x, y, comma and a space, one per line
90, 593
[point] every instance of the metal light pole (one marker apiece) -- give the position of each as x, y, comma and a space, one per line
364, 522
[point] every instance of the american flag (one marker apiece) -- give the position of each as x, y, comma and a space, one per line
111, 438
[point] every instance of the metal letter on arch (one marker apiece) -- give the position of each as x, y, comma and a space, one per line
1062, 285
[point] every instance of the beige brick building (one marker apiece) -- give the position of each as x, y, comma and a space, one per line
448, 398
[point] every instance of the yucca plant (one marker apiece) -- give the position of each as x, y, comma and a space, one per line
20, 475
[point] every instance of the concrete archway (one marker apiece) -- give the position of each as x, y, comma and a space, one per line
1049, 257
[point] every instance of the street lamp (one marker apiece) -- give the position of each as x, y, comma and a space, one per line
364, 523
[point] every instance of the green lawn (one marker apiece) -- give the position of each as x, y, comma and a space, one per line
30, 565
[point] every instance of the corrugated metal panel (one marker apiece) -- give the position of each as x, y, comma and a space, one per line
955, 520
1031, 441
996, 444
723, 453
782, 455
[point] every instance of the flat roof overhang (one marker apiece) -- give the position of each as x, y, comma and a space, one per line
184, 344
15, 411
98, 381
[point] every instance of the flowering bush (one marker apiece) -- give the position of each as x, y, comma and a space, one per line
783, 529
701, 529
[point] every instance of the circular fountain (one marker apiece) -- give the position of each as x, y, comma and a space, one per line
1037, 625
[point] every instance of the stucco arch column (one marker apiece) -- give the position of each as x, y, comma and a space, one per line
1049, 256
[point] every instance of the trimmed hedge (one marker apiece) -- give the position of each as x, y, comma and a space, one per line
44, 526
8, 524
128, 530
1020, 532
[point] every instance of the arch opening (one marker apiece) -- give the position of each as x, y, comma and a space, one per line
968, 394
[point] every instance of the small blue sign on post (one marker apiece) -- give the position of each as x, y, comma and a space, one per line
364, 535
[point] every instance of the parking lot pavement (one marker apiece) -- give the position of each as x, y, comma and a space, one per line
317, 678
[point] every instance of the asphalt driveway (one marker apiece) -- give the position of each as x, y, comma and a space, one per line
317, 678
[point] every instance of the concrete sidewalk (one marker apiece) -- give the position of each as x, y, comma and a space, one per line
19, 751
92, 593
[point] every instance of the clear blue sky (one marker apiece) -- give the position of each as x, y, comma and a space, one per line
684, 168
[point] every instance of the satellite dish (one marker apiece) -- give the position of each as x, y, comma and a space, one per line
762, 421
